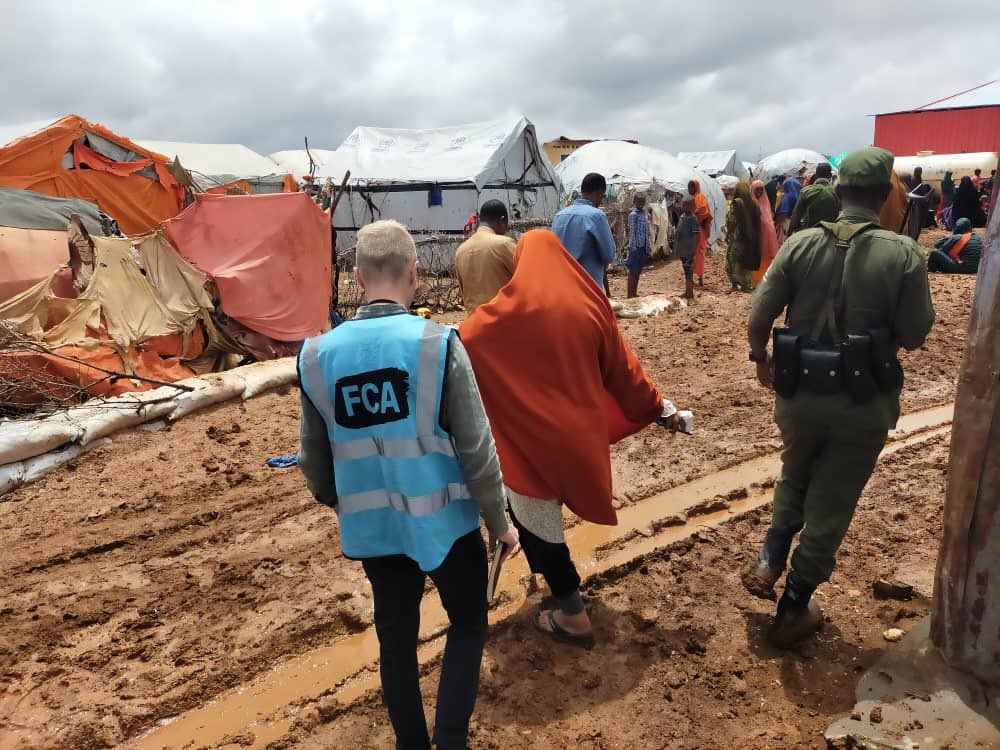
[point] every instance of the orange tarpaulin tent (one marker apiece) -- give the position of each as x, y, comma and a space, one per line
269, 256
73, 158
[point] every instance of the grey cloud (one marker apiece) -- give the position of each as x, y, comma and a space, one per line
679, 76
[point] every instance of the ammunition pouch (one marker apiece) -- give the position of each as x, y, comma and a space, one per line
886, 370
787, 347
820, 370
862, 365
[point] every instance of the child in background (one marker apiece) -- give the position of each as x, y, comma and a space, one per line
688, 231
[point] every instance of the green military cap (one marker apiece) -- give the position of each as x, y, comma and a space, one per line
867, 167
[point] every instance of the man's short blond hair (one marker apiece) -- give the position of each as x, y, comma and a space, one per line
385, 251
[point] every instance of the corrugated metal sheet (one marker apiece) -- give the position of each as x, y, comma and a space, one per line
953, 131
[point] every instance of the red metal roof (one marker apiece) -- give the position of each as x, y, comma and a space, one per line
984, 95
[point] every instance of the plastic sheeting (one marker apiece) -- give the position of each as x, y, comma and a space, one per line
28, 257
27, 210
629, 163
270, 256
499, 152
715, 163
119, 303
296, 163
138, 193
215, 166
788, 162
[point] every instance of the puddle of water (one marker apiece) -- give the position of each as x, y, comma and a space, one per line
348, 664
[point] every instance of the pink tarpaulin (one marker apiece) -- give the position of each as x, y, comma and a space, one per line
268, 254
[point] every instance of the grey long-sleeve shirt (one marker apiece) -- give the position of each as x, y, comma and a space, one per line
462, 416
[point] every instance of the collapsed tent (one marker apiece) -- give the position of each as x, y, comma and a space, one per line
715, 163
73, 158
269, 255
789, 162
222, 167
433, 180
144, 312
33, 236
624, 163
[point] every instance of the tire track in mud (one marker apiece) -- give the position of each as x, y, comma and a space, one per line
345, 670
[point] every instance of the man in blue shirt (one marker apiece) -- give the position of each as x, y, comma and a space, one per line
638, 243
584, 231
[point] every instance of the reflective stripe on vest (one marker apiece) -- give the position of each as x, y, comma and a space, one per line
420, 505
429, 441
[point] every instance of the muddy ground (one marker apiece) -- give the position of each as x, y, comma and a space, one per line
169, 567
682, 661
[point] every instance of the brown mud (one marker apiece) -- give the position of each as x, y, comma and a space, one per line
159, 573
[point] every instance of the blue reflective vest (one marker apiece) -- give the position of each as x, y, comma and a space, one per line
400, 486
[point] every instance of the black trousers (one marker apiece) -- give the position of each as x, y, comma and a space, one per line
398, 585
551, 560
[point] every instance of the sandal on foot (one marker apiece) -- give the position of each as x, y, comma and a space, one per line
558, 633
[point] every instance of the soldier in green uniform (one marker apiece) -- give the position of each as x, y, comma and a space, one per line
854, 293
816, 203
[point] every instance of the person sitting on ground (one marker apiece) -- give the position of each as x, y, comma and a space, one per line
485, 261
743, 230
768, 234
548, 355
394, 437
704, 214
638, 243
816, 203
688, 231
959, 253
783, 216
584, 231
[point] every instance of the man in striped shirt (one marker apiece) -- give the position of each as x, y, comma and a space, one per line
638, 243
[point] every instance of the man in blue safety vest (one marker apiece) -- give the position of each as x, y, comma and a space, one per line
395, 438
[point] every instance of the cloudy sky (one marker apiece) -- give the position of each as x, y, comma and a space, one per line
757, 76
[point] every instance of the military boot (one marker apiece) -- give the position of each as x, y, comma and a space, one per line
760, 580
764, 573
799, 617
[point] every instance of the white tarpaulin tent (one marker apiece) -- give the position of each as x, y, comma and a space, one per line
215, 164
433, 180
296, 163
715, 163
789, 162
628, 163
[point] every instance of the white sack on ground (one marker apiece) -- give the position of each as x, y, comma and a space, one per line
20, 473
20, 439
208, 390
263, 376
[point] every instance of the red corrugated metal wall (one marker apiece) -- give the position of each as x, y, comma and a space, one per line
949, 131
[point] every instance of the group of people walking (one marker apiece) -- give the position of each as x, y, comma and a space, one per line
414, 432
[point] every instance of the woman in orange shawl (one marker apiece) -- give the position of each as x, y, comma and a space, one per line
768, 234
704, 214
547, 353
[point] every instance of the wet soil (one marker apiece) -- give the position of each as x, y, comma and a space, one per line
169, 567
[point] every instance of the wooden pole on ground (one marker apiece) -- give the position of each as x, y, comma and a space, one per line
965, 620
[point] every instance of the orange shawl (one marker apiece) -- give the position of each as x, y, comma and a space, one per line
768, 234
546, 351
701, 208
